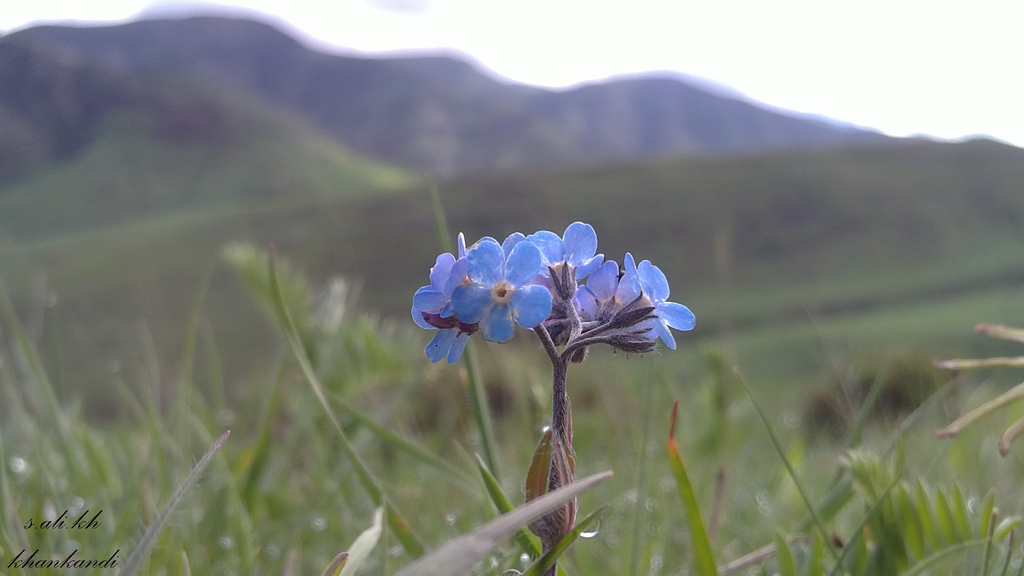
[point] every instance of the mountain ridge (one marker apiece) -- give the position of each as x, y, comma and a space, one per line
443, 115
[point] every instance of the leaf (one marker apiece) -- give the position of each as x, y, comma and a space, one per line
913, 535
784, 557
944, 517
459, 555
540, 467
813, 565
363, 545
704, 558
958, 506
985, 513
334, 568
922, 502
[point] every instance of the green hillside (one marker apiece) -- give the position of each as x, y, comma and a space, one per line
134, 168
906, 246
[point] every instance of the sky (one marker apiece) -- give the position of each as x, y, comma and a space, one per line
946, 69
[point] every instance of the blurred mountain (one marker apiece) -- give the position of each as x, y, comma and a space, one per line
437, 114
82, 146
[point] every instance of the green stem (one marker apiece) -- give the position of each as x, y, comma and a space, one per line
478, 396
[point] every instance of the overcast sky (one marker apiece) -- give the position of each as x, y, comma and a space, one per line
946, 69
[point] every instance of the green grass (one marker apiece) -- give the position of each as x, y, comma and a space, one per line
281, 495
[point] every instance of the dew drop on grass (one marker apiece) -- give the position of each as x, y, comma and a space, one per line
591, 532
76, 504
449, 519
764, 505
18, 465
524, 559
225, 542
271, 551
972, 504
319, 523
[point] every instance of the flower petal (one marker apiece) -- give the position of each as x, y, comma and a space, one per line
439, 345
531, 305
458, 275
604, 281
486, 262
471, 301
653, 281
497, 325
441, 270
587, 303
523, 265
417, 317
580, 243
457, 347
427, 299
551, 246
665, 334
510, 242
588, 266
676, 316
629, 284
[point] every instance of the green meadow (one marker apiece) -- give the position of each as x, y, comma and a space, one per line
141, 321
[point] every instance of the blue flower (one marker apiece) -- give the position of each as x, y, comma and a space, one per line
655, 287
432, 309
498, 292
576, 247
606, 292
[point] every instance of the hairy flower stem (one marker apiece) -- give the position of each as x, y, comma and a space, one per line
561, 470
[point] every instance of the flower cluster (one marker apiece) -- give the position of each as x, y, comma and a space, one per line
535, 281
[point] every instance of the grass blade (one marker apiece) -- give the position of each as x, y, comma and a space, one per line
785, 460
705, 560
481, 413
784, 561
138, 555
641, 480
528, 542
459, 555
409, 541
1008, 397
